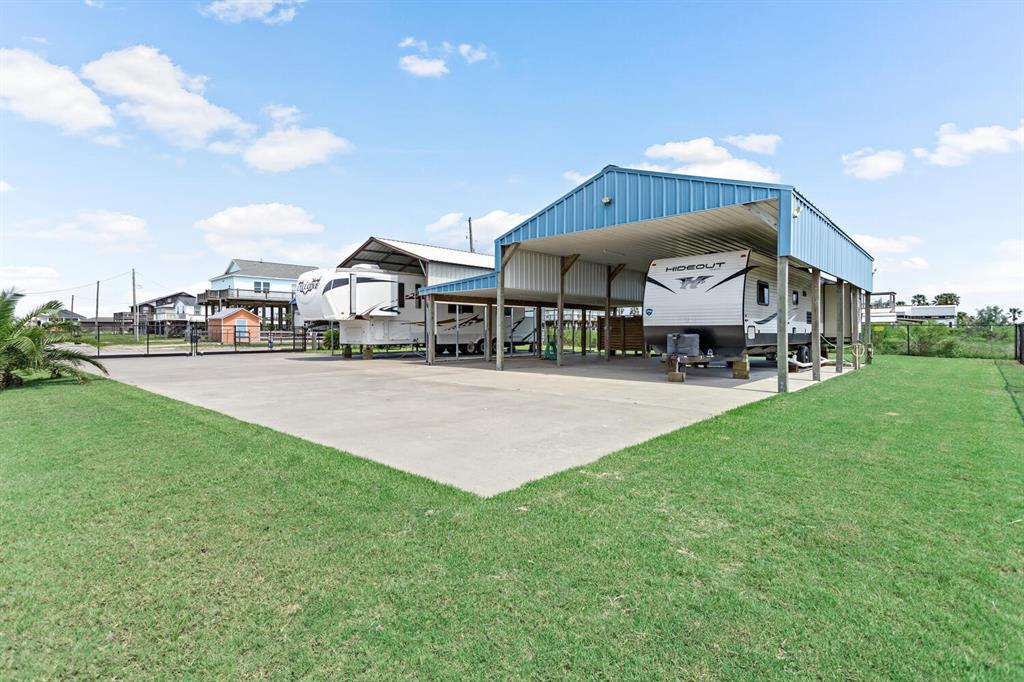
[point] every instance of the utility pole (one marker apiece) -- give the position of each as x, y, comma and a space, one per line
135, 308
471, 236
97, 318
72, 303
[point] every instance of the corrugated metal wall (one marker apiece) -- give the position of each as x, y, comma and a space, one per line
442, 273
817, 241
539, 272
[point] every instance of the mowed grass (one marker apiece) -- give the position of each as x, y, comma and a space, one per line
868, 528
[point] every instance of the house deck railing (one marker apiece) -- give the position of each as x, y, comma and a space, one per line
219, 295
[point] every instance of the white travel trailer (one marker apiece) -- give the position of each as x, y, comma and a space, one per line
729, 300
378, 307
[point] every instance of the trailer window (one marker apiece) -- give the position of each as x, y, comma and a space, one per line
796, 298
452, 309
401, 294
762, 293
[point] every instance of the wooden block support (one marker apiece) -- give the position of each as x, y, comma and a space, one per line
676, 377
741, 368
367, 352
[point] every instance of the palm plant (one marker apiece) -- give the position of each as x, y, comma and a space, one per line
29, 347
1015, 314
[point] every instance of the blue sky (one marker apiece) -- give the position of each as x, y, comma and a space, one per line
173, 136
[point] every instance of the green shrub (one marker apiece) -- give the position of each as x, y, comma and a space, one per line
934, 340
330, 340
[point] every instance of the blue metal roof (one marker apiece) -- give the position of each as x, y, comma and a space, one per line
639, 195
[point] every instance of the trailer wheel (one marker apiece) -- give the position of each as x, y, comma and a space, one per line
803, 354
467, 348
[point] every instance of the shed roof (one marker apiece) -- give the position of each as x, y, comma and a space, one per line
402, 256
228, 312
632, 217
260, 268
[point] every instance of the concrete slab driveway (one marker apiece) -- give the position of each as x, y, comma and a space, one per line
458, 423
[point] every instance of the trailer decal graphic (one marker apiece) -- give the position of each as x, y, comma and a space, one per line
693, 282
651, 280
734, 275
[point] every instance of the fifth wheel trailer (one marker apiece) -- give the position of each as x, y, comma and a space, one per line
729, 300
378, 307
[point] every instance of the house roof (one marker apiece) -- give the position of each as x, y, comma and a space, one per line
227, 312
394, 254
69, 315
179, 294
260, 268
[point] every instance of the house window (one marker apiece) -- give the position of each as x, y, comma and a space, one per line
762, 293
401, 294
419, 301
452, 309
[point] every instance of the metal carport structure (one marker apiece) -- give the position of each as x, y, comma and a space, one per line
593, 247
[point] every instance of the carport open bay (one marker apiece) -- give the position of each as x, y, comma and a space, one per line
462, 423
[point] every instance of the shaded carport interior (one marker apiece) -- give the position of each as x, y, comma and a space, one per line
615, 224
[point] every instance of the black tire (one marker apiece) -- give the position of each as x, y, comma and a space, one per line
467, 349
803, 354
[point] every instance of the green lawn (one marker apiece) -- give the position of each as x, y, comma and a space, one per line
868, 528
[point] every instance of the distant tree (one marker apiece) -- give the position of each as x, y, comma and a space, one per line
901, 302
991, 316
918, 299
963, 319
947, 299
1015, 313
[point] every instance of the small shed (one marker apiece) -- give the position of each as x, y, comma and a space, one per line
231, 324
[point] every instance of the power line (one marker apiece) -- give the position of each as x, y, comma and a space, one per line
83, 286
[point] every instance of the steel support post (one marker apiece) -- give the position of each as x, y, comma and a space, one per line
782, 324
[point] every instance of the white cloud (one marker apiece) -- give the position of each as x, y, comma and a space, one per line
955, 148
576, 178
701, 156
98, 4
758, 143
6, 186
423, 67
36, 39
882, 245
471, 54
282, 115
267, 11
452, 228
266, 231
286, 149
41, 91
868, 164
27, 278
109, 230
409, 41
161, 96
994, 280
697, 150
888, 265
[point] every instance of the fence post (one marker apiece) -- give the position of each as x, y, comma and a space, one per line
908, 339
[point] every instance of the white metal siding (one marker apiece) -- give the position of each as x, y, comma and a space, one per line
538, 272
442, 273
